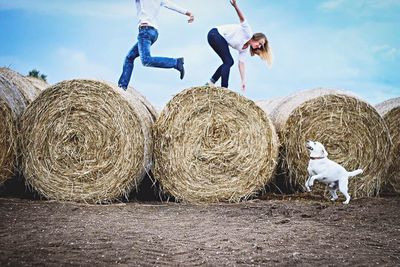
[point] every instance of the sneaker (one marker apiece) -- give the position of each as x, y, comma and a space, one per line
210, 84
180, 68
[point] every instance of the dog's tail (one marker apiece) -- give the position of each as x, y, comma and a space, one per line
354, 173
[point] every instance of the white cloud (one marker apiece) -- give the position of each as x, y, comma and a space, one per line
107, 9
110, 9
75, 64
372, 92
357, 6
329, 5
379, 4
386, 52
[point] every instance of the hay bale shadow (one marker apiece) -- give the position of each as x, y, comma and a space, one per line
149, 190
15, 188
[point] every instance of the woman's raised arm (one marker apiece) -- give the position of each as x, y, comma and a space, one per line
238, 11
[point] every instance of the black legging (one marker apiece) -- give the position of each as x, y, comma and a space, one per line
220, 46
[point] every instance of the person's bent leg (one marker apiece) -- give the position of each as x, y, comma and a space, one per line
221, 47
216, 75
147, 36
128, 67
225, 70
213, 41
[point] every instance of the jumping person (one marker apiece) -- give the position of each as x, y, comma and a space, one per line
241, 38
147, 12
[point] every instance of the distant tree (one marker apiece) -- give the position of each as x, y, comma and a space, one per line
43, 77
36, 74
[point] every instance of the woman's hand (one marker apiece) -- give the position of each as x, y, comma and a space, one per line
191, 17
243, 87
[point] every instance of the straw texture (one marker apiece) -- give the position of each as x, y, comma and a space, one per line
270, 105
150, 108
8, 134
390, 111
211, 145
352, 131
16, 92
20, 84
86, 141
38, 84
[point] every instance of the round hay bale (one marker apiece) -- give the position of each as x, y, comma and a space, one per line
390, 111
15, 94
39, 84
8, 135
86, 141
21, 83
270, 105
279, 178
352, 131
211, 144
151, 109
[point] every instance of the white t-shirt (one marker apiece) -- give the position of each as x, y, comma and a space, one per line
236, 36
147, 10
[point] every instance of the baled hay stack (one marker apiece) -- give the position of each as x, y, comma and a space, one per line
22, 84
151, 109
211, 145
8, 136
86, 141
269, 105
352, 131
390, 111
15, 94
39, 84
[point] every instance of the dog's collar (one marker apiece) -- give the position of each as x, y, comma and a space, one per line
316, 158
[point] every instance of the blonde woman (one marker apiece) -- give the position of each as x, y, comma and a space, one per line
241, 38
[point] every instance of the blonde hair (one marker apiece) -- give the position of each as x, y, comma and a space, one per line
264, 52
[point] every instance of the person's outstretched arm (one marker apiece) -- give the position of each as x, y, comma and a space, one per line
172, 6
238, 11
242, 71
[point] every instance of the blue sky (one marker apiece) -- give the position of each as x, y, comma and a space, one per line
352, 45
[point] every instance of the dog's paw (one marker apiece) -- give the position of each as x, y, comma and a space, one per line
334, 199
346, 202
307, 187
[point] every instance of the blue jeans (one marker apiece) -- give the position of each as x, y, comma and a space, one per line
146, 37
221, 47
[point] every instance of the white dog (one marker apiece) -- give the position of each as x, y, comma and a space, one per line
327, 171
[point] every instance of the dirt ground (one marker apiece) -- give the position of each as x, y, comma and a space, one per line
288, 231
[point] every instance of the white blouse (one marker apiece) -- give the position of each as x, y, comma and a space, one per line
147, 10
236, 36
